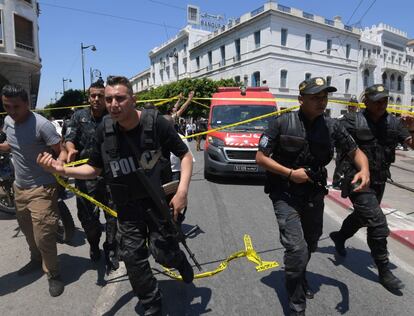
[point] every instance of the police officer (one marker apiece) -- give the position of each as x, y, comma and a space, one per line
79, 141
114, 157
376, 133
294, 150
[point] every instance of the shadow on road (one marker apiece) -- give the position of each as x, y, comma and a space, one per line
276, 280
359, 262
178, 299
11, 282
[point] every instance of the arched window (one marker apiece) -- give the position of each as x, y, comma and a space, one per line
283, 78
392, 82
399, 83
398, 101
391, 101
385, 79
366, 78
308, 75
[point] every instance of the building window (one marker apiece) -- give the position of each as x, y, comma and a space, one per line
391, 101
398, 101
328, 80
308, 75
210, 60
348, 50
392, 82
369, 53
23, 29
347, 82
1, 27
237, 79
257, 39
198, 62
185, 64
283, 78
328, 46
185, 48
364, 52
412, 86
399, 83
308, 41
366, 78
223, 55
237, 49
283, 38
256, 79
385, 79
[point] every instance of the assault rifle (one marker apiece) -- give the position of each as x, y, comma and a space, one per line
161, 215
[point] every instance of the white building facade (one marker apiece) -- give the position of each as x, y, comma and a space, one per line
19, 45
279, 46
387, 56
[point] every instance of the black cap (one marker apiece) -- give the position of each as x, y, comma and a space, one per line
376, 92
314, 86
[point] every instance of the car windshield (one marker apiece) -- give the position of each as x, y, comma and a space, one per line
229, 114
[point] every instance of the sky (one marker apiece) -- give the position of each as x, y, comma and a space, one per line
124, 31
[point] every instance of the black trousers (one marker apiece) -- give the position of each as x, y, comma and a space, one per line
133, 237
368, 213
300, 221
88, 215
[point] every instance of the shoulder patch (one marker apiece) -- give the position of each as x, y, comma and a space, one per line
264, 141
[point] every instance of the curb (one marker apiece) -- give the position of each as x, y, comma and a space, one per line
405, 237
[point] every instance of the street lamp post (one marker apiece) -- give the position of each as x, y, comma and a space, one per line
63, 83
93, 48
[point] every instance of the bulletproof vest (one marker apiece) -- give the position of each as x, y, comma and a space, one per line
293, 151
380, 153
125, 186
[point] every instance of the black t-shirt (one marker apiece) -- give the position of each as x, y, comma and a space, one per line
321, 134
169, 140
378, 129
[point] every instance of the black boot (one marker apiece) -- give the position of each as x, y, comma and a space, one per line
186, 271
111, 257
387, 279
339, 242
56, 286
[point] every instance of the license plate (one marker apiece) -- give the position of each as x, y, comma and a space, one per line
244, 168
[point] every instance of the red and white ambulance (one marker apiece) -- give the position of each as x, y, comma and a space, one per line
232, 151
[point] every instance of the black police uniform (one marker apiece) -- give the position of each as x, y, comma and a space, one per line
295, 142
135, 227
81, 131
378, 141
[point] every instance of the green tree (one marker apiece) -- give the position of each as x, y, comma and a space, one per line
204, 88
69, 98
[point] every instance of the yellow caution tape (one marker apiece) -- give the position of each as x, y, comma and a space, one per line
199, 103
244, 122
76, 191
249, 253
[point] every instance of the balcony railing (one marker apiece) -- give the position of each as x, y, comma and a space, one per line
25, 47
307, 15
257, 11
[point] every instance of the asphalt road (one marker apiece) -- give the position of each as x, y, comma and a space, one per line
225, 211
